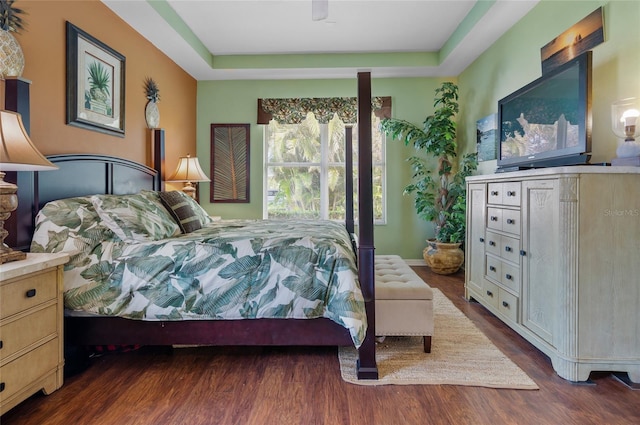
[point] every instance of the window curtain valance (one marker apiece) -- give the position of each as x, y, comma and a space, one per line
295, 110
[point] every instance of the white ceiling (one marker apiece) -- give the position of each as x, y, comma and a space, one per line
196, 32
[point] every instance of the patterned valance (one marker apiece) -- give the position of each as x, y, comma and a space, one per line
295, 110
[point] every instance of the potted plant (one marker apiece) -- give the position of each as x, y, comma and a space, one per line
440, 197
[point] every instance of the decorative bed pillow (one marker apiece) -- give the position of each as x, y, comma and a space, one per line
70, 225
202, 214
135, 218
181, 211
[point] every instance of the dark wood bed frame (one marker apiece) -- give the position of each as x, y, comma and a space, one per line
81, 175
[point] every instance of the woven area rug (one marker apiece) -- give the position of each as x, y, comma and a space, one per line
460, 355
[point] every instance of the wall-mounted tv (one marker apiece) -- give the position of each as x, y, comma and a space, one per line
547, 123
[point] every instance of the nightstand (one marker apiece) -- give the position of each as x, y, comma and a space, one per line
31, 327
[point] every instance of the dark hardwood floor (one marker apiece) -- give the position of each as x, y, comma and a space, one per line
302, 385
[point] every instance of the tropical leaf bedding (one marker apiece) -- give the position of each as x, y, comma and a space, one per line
231, 269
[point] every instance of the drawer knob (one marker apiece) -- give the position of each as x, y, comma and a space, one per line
481, 239
494, 218
493, 269
1, 344
2, 386
505, 304
508, 248
492, 243
510, 221
494, 193
508, 276
489, 293
523, 252
511, 193
31, 293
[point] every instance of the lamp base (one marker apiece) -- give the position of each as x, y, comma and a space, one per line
7, 255
8, 204
629, 148
189, 189
632, 161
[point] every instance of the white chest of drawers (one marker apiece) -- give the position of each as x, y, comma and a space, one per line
554, 254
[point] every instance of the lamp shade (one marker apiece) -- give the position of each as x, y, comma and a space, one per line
17, 151
189, 170
625, 118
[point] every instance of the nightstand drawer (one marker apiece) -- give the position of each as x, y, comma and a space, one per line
27, 292
29, 368
27, 330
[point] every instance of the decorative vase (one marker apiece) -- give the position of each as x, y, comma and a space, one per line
11, 56
443, 258
152, 114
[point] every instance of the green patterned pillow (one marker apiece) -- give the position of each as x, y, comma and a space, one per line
181, 211
135, 218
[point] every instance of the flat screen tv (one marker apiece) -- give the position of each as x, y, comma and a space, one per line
547, 123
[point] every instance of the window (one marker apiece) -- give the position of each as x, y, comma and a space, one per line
305, 169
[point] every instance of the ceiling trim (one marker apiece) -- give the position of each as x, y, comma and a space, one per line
483, 25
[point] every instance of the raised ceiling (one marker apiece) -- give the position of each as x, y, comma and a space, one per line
269, 39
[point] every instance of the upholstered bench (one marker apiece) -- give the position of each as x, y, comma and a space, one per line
404, 302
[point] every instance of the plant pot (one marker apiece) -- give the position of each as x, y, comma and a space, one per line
443, 258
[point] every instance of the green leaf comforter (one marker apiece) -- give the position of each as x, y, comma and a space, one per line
238, 269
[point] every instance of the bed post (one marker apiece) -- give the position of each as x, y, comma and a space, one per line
348, 185
157, 155
366, 367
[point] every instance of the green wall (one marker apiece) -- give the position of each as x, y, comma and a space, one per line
512, 62
236, 102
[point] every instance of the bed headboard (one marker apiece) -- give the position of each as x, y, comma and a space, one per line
78, 175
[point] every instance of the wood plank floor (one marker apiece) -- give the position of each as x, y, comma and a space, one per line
298, 385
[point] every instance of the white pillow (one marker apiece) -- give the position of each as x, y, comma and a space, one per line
134, 218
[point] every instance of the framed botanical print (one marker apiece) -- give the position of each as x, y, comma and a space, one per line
230, 163
95, 84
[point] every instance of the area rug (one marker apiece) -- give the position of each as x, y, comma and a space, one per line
460, 355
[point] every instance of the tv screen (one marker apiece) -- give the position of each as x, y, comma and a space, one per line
548, 122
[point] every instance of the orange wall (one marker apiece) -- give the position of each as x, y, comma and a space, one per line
43, 44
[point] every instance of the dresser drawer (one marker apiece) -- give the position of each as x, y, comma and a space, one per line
510, 277
508, 305
490, 293
494, 268
503, 246
26, 369
494, 218
506, 193
27, 292
511, 221
27, 330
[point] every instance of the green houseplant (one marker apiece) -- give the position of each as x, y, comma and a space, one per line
440, 196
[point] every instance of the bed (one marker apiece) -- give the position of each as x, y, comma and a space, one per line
94, 176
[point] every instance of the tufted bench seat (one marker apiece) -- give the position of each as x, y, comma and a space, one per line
404, 302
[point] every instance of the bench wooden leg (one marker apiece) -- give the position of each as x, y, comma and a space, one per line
427, 344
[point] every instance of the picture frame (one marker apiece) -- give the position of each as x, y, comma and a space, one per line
230, 163
581, 37
95, 84
487, 138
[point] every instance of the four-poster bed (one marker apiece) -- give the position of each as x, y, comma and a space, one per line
82, 175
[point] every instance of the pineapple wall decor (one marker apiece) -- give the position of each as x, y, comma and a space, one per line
11, 56
151, 111
95, 84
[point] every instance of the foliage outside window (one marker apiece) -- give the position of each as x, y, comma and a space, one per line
305, 169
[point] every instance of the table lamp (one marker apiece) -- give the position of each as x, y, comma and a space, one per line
17, 153
189, 171
625, 123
